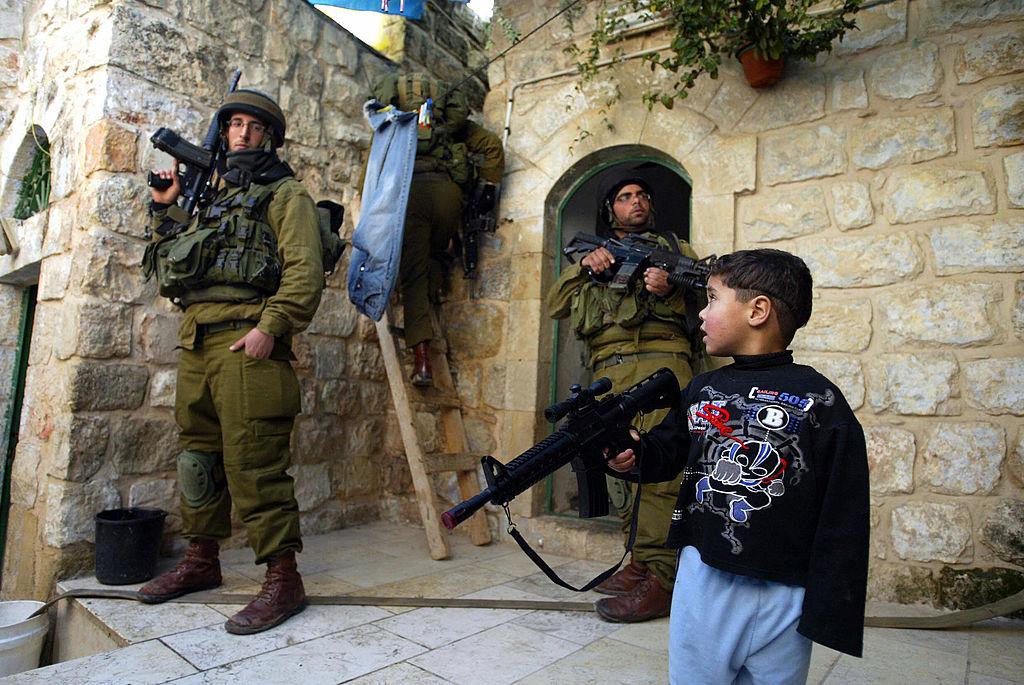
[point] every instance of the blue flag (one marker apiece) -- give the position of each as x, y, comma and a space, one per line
412, 9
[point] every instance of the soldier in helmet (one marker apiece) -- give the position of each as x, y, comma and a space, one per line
630, 335
237, 395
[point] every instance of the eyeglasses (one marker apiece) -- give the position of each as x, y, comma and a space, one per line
628, 197
254, 126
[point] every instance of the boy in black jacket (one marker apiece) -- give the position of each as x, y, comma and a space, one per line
772, 514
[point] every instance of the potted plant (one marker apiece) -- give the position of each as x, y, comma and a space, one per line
760, 33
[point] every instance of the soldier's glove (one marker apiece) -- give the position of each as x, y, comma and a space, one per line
485, 202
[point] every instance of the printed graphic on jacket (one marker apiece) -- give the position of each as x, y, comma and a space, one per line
751, 451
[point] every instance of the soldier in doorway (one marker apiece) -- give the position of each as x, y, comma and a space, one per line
630, 335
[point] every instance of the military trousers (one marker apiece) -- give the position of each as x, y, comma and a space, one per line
657, 500
243, 409
431, 221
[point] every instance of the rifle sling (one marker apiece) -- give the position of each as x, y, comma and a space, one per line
603, 576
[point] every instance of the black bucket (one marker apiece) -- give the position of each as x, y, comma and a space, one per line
127, 544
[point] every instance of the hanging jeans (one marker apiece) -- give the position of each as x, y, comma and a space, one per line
377, 239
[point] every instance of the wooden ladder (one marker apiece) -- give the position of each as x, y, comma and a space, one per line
455, 457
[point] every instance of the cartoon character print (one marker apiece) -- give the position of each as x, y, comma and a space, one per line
749, 474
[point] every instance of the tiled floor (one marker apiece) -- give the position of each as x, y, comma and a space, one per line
186, 644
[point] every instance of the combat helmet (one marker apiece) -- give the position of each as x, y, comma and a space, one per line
258, 104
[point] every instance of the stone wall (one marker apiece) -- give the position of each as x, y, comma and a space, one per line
894, 167
98, 431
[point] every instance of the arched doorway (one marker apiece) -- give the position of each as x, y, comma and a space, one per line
573, 206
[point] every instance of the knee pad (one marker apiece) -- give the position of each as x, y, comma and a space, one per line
200, 476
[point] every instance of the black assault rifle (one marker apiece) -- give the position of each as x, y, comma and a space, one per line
199, 162
590, 426
475, 222
634, 254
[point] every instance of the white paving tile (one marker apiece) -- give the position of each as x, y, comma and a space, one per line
892, 661
399, 674
649, 634
576, 573
137, 622
434, 627
605, 662
575, 626
213, 646
997, 649
327, 660
822, 661
981, 679
145, 663
505, 653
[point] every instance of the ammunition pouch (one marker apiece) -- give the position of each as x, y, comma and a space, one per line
200, 476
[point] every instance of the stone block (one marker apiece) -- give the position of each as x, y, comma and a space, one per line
83, 448
10, 67
963, 458
901, 583
362, 438
969, 588
474, 329
928, 531
807, 153
965, 247
1018, 310
860, 261
480, 433
1013, 166
677, 132
493, 391
944, 314
1015, 462
891, 453
851, 205
992, 55
903, 139
12, 21
329, 357
467, 383
1003, 531
339, 50
54, 275
374, 398
365, 362
25, 482
225, 22
107, 266
788, 214
845, 372
103, 330
158, 338
881, 25
144, 445
730, 101
312, 484
913, 385
159, 493
999, 116
720, 165
796, 99
848, 90
919, 194
110, 147
996, 386
71, 508
941, 16
162, 387
118, 203
10, 313
843, 326
104, 387
904, 73
336, 316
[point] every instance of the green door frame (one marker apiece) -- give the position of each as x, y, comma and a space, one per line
13, 418
553, 390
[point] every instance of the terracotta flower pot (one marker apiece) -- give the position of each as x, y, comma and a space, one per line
760, 72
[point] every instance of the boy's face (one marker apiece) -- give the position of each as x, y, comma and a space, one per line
725, 326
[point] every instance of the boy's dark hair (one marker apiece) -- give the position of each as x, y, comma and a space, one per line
780, 276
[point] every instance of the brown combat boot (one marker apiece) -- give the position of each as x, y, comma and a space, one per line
421, 375
199, 570
647, 600
281, 597
622, 582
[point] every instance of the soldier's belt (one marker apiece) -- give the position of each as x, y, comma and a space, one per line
235, 324
617, 358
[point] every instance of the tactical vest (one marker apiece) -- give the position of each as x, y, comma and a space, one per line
436, 146
595, 307
227, 254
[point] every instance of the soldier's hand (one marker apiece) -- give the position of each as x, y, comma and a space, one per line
598, 260
622, 462
656, 281
256, 343
169, 196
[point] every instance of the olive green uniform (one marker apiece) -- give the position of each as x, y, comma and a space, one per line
434, 217
239, 410
629, 336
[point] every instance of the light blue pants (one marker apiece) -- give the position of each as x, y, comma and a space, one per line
728, 629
